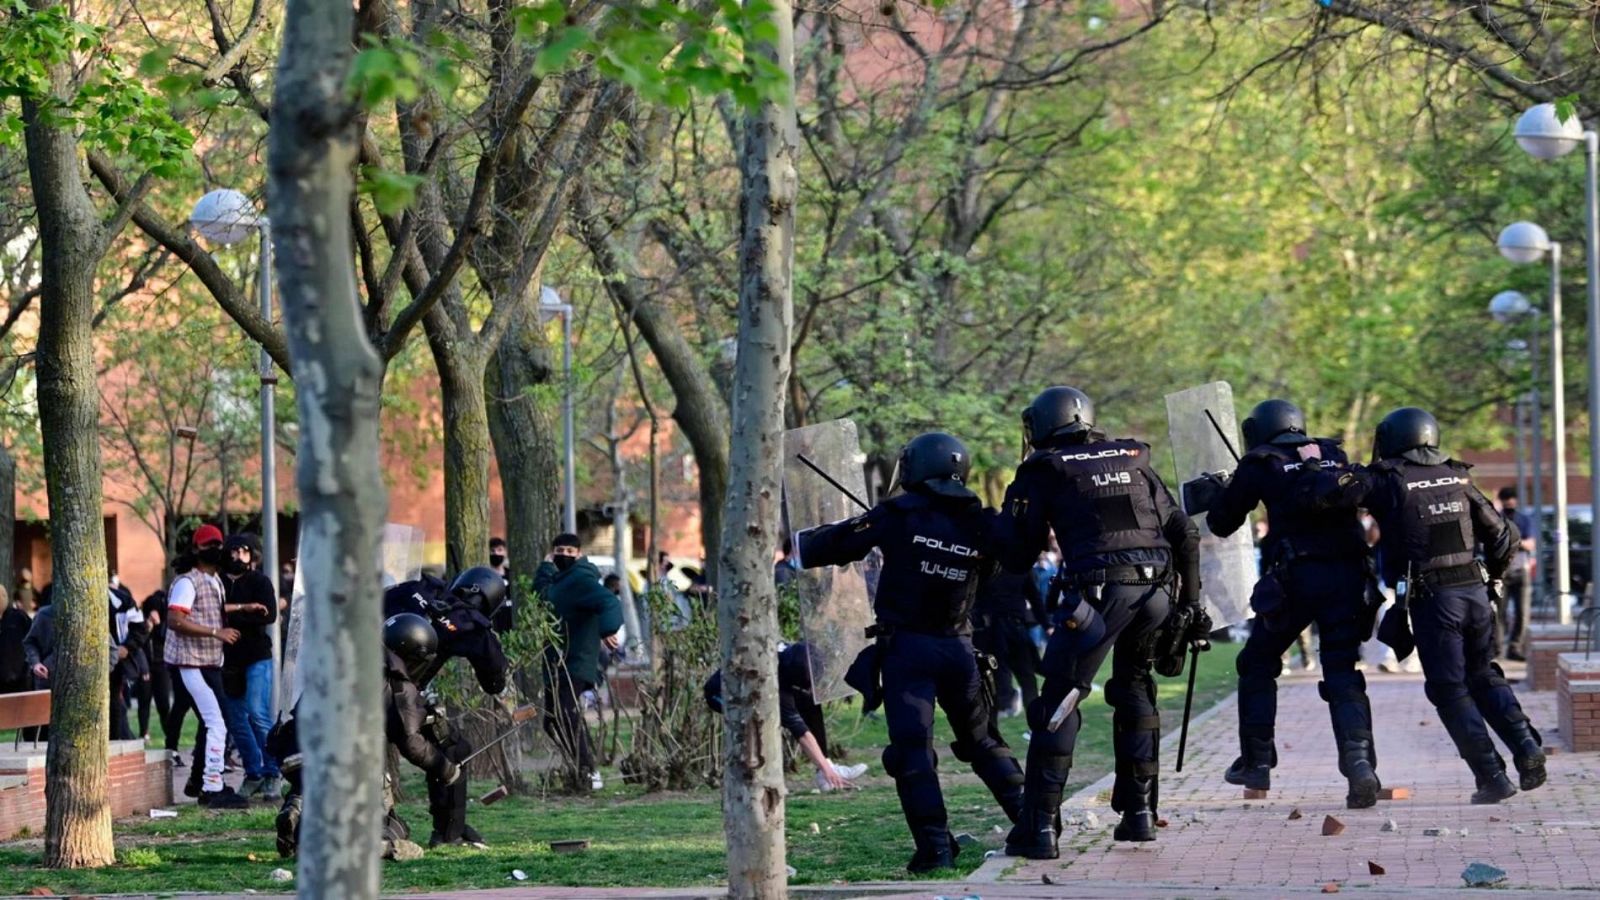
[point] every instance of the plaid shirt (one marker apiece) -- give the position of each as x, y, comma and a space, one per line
189, 651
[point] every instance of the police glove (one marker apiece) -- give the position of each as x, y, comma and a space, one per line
1199, 628
1497, 590
1202, 493
449, 773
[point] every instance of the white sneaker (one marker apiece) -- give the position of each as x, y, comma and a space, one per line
596, 782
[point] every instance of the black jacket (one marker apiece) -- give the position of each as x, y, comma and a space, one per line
1011, 595
463, 630
935, 548
1268, 475
14, 626
405, 718
255, 628
794, 689
1108, 508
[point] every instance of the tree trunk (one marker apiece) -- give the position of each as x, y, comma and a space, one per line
524, 436
752, 789
338, 375
77, 809
700, 410
8, 521
466, 444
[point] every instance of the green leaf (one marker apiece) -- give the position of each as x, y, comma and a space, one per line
561, 47
391, 192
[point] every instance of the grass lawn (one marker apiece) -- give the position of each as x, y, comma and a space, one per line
669, 841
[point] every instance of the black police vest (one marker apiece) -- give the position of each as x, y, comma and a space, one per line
1302, 532
1105, 503
1435, 514
933, 554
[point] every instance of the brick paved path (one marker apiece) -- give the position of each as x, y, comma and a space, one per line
1548, 838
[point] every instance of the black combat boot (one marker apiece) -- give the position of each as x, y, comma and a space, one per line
1253, 768
1493, 787
1138, 807
1527, 749
936, 849
1465, 724
288, 826
1035, 835
1351, 717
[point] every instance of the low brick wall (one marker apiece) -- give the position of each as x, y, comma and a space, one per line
1578, 701
140, 780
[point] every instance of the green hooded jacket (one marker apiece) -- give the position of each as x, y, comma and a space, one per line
586, 613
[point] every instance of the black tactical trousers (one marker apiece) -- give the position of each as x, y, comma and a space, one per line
1454, 627
919, 670
1131, 614
1333, 594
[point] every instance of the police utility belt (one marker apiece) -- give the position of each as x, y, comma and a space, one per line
1453, 576
1135, 575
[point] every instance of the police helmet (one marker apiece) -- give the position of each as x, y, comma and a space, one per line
412, 638
938, 462
1275, 422
482, 585
1407, 428
1057, 411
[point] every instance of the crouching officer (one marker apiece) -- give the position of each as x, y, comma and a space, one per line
1125, 546
418, 732
1431, 519
1314, 569
934, 539
460, 613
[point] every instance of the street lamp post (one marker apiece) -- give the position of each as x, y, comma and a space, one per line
1544, 135
550, 305
1525, 242
227, 216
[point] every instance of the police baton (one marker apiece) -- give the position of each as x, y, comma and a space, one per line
518, 716
1188, 700
829, 479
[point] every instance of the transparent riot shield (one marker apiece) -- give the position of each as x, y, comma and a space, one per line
399, 559
1227, 565
835, 608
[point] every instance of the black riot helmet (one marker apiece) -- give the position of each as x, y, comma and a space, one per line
481, 585
1275, 422
1057, 411
938, 462
1407, 428
411, 637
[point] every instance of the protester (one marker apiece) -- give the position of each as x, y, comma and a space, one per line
25, 594
128, 665
39, 652
1510, 638
252, 609
14, 625
588, 618
800, 714
196, 636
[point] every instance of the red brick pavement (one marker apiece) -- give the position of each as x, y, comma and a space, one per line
1216, 840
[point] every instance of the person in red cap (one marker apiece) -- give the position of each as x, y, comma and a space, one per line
195, 637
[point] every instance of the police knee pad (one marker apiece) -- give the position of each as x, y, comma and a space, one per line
288, 826
1445, 693
1495, 677
1342, 687
1256, 664
904, 762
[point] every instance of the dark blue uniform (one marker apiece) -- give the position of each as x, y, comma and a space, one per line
1433, 520
464, 631
934, 547
1009, 606
1125, 545
1314, 568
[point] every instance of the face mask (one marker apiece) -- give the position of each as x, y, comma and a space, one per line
215, 557
496, 560
564, 563
237, 567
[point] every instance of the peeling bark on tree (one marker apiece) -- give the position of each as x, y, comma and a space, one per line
752, 788
77, 808
337, 376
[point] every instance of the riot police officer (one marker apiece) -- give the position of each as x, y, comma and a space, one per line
460, 613
416, 731
1431, 519
1314, 568
1127, 549
935, 540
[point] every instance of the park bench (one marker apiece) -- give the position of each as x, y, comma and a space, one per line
28, 709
